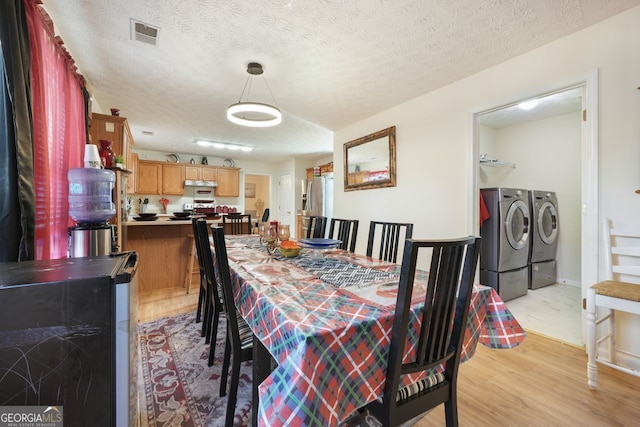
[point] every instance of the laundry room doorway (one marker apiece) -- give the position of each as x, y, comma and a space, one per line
544, 144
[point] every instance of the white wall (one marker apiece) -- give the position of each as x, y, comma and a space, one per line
546, 154
434, 132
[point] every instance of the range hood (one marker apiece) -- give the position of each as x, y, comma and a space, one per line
192, 183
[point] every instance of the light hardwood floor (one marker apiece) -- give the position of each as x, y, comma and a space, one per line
542, 382
153, 304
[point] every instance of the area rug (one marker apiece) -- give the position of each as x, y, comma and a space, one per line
179, 388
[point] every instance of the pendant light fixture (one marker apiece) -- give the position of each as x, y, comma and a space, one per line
254, 114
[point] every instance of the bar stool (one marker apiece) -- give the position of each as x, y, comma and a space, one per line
190, 262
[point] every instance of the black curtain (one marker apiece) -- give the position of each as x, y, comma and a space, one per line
17, 194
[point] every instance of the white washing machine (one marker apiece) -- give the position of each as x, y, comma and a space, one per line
505, 245
544, 239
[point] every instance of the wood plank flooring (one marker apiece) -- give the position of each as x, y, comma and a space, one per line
542, 382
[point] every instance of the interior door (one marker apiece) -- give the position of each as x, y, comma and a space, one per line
285, 205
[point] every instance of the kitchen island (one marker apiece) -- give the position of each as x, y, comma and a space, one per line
164, 247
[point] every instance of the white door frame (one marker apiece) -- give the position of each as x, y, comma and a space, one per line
589, 180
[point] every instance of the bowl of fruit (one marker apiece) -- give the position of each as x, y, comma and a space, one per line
289, 249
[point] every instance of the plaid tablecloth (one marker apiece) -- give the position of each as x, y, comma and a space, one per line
331, 343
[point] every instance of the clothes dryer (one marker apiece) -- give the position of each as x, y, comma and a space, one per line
544, 239
505, 245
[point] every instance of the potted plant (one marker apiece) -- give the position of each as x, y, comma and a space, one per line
119, 161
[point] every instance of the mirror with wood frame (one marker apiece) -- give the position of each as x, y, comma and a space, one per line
370, 161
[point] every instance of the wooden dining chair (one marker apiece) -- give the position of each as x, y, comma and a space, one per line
317, 227
237, 224
620, 291
388, 239
239, 336
345, 230
440, 334
214, 305
202, 311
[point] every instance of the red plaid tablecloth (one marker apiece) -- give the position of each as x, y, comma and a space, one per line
331, 343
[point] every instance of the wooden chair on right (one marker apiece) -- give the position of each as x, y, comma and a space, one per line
622, 262
317, 227
237, 224
346, 230
388, 240
440, 336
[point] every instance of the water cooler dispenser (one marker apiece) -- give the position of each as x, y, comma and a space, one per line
91, 207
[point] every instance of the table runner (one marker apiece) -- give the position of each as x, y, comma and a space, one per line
330, 343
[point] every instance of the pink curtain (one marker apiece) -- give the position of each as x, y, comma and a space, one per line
58, 134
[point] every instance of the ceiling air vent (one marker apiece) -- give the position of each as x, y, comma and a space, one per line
144, 33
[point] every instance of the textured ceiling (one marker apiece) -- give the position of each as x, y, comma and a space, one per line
328, 63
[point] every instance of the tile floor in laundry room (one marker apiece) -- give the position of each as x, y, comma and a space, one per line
553, 311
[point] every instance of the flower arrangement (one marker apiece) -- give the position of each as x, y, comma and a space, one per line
119, 160
164, 202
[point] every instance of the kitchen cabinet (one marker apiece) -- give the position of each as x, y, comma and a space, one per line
155, 177
149, 177
210, 173
114, 129
120, 200
200, 173
228, 182
192, 173
172, 179
133, 167
326, 168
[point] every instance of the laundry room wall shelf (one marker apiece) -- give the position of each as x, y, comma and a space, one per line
496, 163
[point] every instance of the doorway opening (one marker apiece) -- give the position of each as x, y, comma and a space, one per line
551, 147
257, 195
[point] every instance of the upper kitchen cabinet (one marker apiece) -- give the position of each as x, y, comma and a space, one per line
114, 129
326, 168
228, 182
149, 177
173, 179
200, 173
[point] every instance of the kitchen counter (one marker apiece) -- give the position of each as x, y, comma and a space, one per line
164, 220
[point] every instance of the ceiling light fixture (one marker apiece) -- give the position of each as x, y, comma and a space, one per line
254, 114
528, 105
223, 145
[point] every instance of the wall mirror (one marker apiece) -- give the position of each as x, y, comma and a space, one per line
370, 161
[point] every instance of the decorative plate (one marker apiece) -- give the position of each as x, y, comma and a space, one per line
228, 163
145, 218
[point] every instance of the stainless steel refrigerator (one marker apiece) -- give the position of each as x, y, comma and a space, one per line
319, 199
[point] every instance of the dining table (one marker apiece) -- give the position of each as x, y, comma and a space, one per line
322, 328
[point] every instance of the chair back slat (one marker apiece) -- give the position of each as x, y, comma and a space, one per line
389, 239
317, 227
347, 232
237, 224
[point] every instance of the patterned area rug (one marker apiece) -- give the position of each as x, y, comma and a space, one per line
180, 389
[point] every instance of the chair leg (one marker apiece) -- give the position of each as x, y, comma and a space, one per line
225, 367
214, 336
208, 307
592, 368
613, 354
451, 412
201, 301
233, 392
